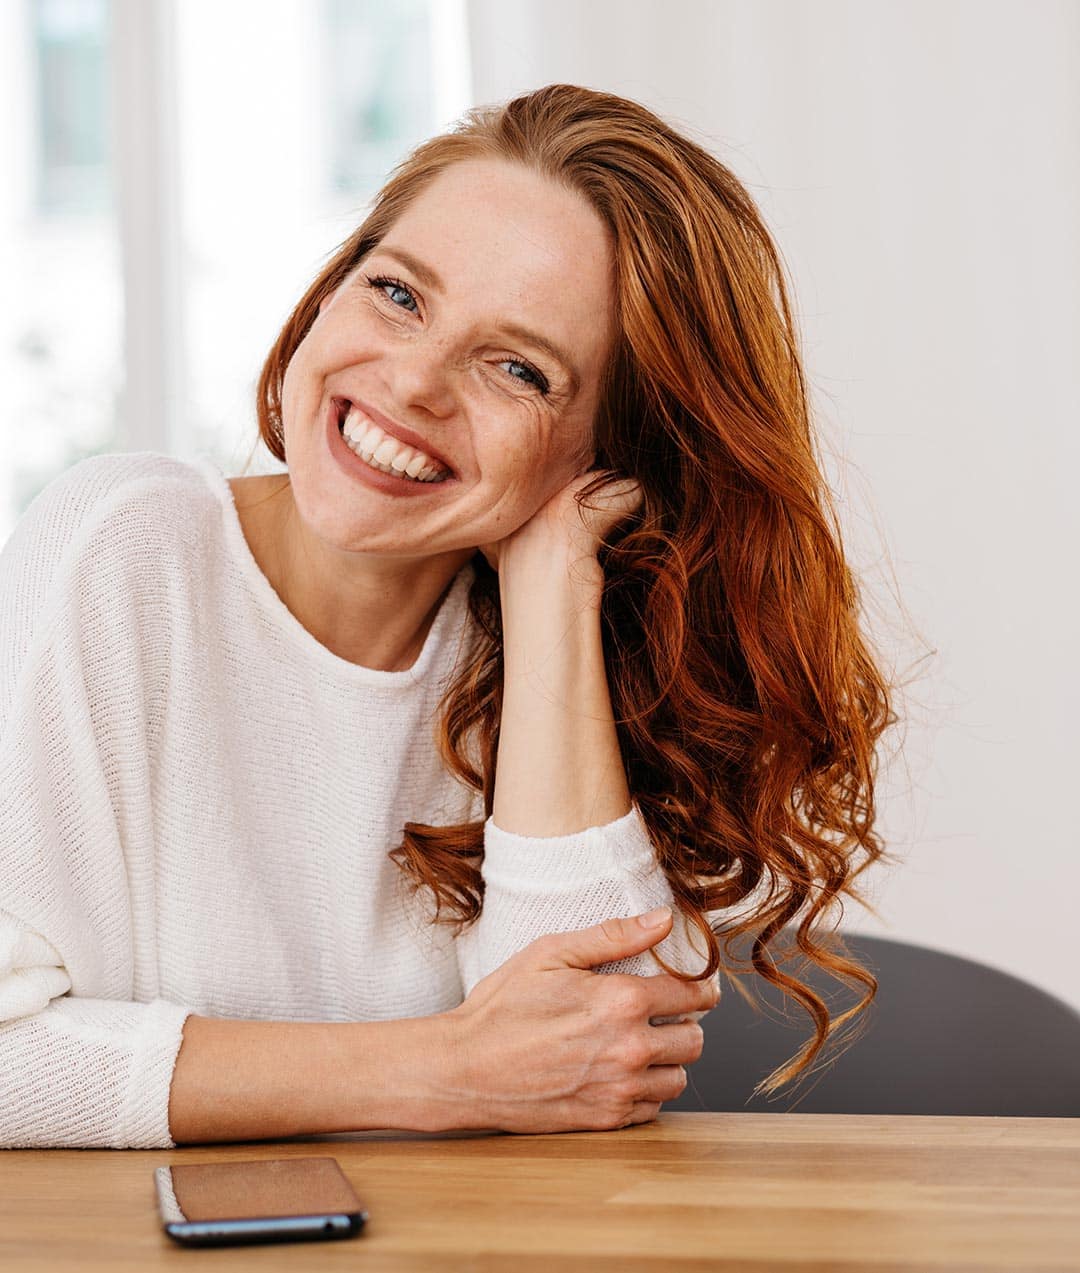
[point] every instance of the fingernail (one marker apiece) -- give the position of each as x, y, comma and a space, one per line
656, 918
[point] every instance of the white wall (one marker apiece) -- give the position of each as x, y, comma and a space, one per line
919, 165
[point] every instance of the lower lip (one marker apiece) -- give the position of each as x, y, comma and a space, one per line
356, 467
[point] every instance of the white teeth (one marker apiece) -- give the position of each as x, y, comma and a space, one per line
386, 449
385, 453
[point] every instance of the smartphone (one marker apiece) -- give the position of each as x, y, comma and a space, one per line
265, 1200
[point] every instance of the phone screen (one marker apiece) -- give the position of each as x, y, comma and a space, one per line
265, 1200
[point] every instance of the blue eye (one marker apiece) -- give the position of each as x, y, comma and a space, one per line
537, 379
397, 285
381, 283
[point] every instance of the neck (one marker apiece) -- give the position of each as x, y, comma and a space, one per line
372, 611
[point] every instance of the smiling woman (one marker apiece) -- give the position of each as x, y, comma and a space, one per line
748, 704
547, 625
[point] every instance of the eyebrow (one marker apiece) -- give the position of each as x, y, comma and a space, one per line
429, 278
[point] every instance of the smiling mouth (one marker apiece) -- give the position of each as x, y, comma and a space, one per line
384, 452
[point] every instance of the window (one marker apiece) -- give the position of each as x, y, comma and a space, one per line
70, 60
378, 72
183, 169
61, 317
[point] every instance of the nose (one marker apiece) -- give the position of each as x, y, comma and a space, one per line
420, 377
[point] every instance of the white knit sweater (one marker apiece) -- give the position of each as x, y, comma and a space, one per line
197, 800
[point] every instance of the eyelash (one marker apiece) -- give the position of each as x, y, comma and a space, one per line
380, 281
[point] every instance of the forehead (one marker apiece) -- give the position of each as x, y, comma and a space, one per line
530, 250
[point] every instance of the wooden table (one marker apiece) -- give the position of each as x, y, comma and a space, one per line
812, 1192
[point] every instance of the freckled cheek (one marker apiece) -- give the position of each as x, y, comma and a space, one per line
513, 456
362, 342
531, 486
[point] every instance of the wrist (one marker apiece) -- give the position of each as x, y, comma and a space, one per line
451, 1099
537, 590
411, 1065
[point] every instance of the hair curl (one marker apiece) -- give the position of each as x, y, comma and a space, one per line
747, 702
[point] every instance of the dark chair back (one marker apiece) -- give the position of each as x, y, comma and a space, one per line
945, 1035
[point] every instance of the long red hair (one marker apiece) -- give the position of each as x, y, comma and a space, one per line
748, 703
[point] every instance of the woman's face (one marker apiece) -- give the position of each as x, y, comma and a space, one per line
477, 328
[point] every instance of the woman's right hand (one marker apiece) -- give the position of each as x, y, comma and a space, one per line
543, 1044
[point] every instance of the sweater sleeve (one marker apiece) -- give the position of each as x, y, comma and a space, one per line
553, 884
86, 1053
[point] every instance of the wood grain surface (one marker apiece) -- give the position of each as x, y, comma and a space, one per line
811, 1192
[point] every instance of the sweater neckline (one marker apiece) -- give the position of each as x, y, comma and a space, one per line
450, 616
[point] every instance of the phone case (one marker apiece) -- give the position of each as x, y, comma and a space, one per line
261, 1200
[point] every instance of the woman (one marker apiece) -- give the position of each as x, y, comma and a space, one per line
545, 625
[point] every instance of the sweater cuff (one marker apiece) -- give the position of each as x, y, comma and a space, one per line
523, 861
143, 1120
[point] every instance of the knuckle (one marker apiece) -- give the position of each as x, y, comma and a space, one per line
624, 1001
626, 1092
604, 1120
637, 1054
612, 930
711, 992
545, 945
699, 1041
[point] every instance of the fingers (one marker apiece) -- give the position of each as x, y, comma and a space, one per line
617, 500
643, 1112
660, 1083
664, 996
625, 493
623, 497
666, 1082
611, 939
676, 1045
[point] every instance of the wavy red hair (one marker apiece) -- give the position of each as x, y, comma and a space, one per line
747, 700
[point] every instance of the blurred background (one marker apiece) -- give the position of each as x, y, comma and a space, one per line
176, 172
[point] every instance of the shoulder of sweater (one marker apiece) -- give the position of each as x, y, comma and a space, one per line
93, 523
73, 497
114, 488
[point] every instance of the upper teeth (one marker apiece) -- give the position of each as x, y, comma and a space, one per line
386, 453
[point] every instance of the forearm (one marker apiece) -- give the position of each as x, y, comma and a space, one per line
559, 768
252, 1080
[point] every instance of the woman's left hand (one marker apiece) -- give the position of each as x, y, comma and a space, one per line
562, 526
